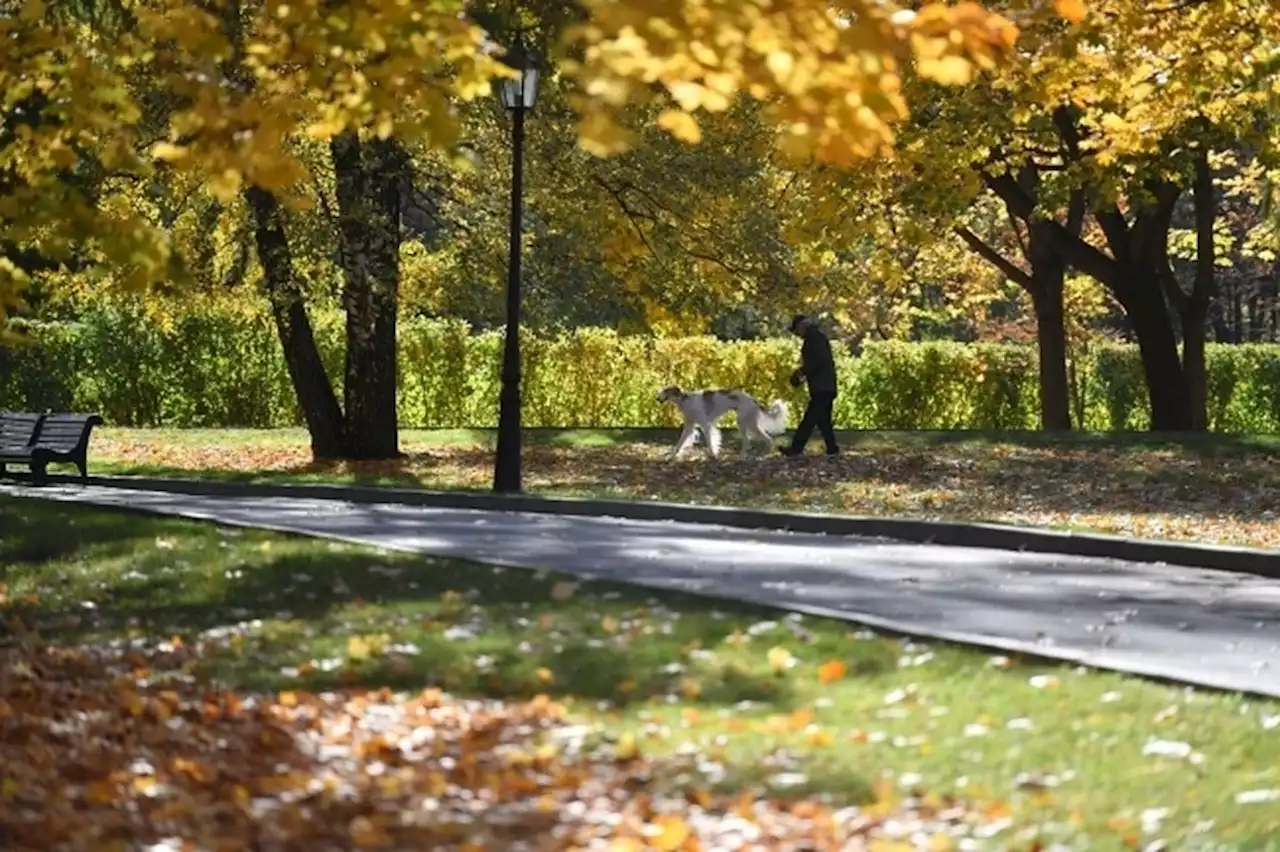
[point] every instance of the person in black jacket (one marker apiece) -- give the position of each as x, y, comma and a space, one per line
818, 367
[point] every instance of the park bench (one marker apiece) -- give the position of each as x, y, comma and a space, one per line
39, 440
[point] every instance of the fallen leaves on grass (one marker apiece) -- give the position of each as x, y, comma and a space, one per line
118, 746
1162, 491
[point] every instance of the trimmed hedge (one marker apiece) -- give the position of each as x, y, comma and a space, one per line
223, 371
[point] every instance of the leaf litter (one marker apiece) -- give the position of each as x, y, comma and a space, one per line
491, 726
118, 746
1206, 493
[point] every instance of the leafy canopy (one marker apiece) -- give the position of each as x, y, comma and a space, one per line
221, 90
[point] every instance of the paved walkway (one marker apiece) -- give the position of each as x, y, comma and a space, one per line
1202, 627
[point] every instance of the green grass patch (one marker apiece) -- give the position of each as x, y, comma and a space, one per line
730, 697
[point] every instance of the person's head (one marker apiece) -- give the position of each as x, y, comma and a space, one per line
799, 325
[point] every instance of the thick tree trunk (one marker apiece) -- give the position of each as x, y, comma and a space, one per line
1166, 384
1051, 342
1048, 277
369, 182
306, 369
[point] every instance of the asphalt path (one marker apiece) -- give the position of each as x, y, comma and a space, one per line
1203, 627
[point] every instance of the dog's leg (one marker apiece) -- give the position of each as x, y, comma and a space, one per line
687, 436
713, 439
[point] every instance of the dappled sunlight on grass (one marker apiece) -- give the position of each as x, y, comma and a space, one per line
628, 712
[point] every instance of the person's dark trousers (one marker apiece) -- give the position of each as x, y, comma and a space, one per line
817, 413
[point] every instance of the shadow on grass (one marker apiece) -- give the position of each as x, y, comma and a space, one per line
466, 627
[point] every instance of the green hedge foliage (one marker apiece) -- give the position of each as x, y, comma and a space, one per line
224, 371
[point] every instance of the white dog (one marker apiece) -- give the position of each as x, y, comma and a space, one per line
701, 409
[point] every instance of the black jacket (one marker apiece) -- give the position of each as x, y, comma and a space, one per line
817, 362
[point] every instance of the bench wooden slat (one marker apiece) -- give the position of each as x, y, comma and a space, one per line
18, 429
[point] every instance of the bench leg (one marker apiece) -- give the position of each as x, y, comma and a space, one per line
4, 471
83, 466
38, 473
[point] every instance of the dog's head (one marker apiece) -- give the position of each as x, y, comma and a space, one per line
670, 393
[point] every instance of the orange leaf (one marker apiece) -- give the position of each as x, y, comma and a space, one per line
831, 671
1071, 10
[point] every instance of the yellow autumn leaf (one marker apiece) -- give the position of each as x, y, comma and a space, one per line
627, 749
947, 70
168, 152
545, 675
225, 185
609, 624
358, 648
674, 832
1070, 10
819, 738
780, 659
601, 136
681, 125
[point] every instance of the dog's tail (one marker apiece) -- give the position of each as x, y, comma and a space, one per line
774, 418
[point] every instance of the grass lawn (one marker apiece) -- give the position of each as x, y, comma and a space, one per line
1222, 489
163, 680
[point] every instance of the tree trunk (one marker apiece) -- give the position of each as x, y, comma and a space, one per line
306, 369
1166, 384
1044, 284
369, 182
1048, 276
1051, 342
1194, 309
1193, 365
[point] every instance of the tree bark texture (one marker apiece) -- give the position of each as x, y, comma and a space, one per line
370, 178
288, 308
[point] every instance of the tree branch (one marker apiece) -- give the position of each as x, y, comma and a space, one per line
989, 254
1075, 249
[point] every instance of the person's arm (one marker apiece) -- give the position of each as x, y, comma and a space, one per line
806, 360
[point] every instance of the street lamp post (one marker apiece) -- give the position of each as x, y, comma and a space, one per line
518, 95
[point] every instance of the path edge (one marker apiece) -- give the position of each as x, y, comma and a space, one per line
1244, 560
1102, 659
